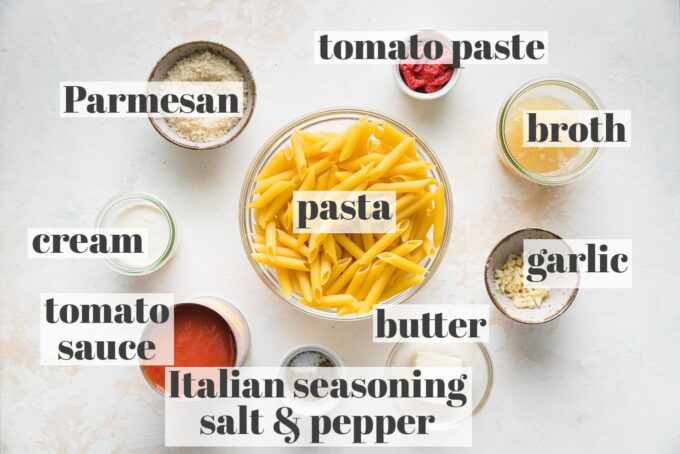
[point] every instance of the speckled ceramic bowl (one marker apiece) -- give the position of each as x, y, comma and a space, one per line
552, 307
184, 50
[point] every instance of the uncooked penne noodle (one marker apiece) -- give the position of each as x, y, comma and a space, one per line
401, 285
305, 286
280, 250
408, 168
373, 296
270, 240
341, 299
357, 163
368, 240
282, 262
336, 143
338, 268
325, 271
402, 186
342, 175
389, 134
424, 202
276, 164
383, 243
298, 155
358, 279
315, 279
348, 309
332, 176
284, 281
275, 206
269, 195
329, 248
372, 276
356, 131
320, 166
350, 246
406, 248
338, 284
292, 242
267, 183
391, 158
402, 263
353, 181
316, 149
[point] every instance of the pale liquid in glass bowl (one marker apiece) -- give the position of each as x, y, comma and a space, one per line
539, 160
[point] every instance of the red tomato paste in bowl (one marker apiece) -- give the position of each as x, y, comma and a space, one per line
427, 77
203, 338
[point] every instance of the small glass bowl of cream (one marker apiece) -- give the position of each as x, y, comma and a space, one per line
546, 166
141, 211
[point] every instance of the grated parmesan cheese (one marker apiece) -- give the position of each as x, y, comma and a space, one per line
204, 67
509, 279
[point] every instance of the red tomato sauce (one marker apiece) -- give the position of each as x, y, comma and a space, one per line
202, 339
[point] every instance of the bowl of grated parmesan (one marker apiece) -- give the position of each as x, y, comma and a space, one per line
203, 61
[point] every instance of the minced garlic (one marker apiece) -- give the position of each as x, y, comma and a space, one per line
203, 67
509, 279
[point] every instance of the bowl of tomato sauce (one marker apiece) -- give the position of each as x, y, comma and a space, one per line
208, 332
428, 79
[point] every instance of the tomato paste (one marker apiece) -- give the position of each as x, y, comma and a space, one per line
427, 77
202, 339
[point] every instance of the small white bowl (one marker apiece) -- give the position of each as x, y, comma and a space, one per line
432, 35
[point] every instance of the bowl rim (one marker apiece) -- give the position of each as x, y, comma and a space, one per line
250, 98
489, 369
266, 149
499, 306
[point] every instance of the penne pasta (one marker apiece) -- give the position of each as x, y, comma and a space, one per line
402, 263
270, 240
348, 273
282, 262
285, 281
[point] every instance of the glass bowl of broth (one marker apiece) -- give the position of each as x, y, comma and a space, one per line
545, 165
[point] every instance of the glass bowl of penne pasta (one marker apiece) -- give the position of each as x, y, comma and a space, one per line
344, 276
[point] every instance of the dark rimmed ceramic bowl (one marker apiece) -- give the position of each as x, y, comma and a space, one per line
552, 307
184, 50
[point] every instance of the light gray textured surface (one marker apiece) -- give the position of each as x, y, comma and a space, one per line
604, 377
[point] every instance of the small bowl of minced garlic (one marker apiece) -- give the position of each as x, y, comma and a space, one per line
203, 61
504, 278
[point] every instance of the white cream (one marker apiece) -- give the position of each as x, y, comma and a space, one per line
145, 215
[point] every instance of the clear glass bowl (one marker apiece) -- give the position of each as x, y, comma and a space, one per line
115, 206
567, 89
336, 120
473, 354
